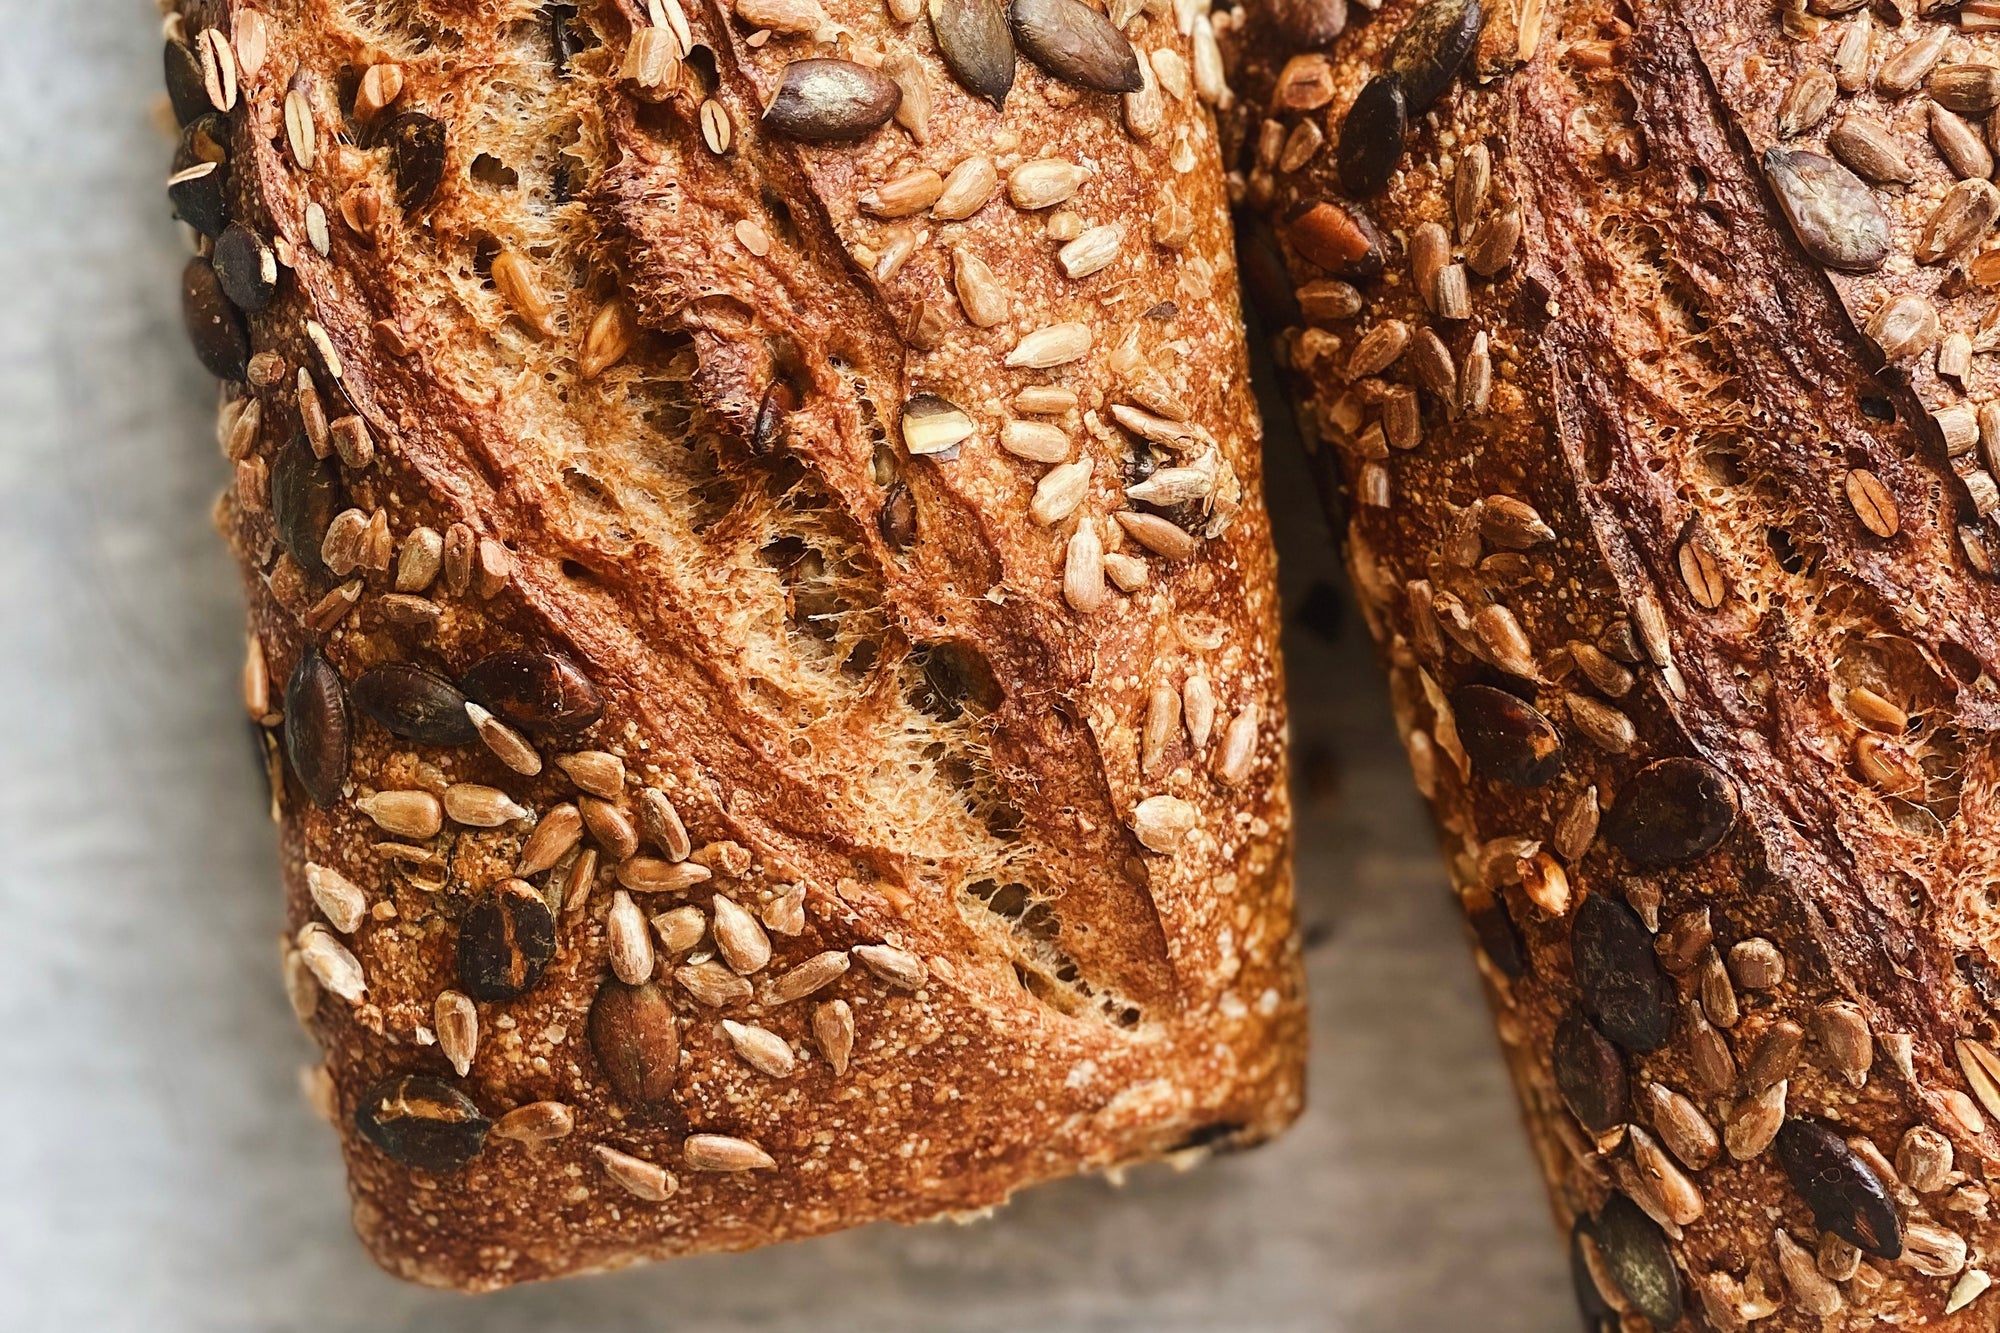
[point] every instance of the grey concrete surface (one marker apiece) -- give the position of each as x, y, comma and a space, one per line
158, 1169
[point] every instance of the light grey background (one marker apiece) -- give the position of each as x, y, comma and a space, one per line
158, 1169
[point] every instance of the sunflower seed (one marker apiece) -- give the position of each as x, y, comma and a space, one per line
966, 190
1850, 58
536, 1122
1052, 345
1035, 441
612, 331
739, 938
910, 193
478, 806
1806, 103
761, 1048
1961, 146
636, 1038
407, 814
932, 425
897, 967
514, 278
1092, 251
1903, 327
635, 1175
833, 1032
457, 1029
978, 49
822, 99
1815, 1294
422, 1121
1060, 491
1043, 182
1681, 1126
1371, 137
643, 874
1159, 535
1907, 67
712, 983
1924, 1159
719, 1152
1845, 1194
1837, 219
982, 296
556, 833
1076, 44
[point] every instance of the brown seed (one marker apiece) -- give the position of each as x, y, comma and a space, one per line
1602, 725
1076, 44
1872, 502
1672, 812
422, 1121
1842, 1030
983, 297
719, 1152
1850, 58
536, 1122
1709, 1056
1590, 1074
1685, 941
540, 692
1924, 1159
1665, 1180
1378, 349
1490, 249
712, 983
595, 771
610, 828
1623, 990
1576, 827
407, 814
1756, 964
1870, 150
555, 835
1845, 1194
1837, 1259
1815, 1294
479, 806
1775, 1057
978, 49
417, 152
457, 1029
1718, 995
636, 1038
1754, 1123
1836, 217
1969, 89
897, 967
1503, 642
635, 1175
934, 425
415, 703
739, 938
380, 86
316, 727
1982, 1072
833, 1032
1681, 1126
1962, 220
1344, 243
643, 874
1701, 574
505, 942
1961, 146
815, 974
1806, 103
1933, 1251
1903, 327
1371, 136
824, 99
214, 327
1907, 67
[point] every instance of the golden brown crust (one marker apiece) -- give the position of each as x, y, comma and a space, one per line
1694, 520
604, 393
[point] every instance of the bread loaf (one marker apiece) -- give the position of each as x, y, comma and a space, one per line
761, 612
1646, 348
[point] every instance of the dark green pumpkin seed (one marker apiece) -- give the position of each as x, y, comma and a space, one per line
1836, 217
213, 324
1624, 991
1843, 1191
1672, 812
637, 1040
1075, 43
1590, 1301
185, 88
977, 47
417, 152
1507, 739
1432, 47
200, 196
539, 691
316, 727
1371, 138
415, 703
824, 99
505, 941
1498, 937
247, 268
422, 1121
1590, 1074
305, 495
1640, 1261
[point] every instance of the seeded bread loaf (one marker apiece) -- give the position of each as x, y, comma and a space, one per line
1644, 349
761, 611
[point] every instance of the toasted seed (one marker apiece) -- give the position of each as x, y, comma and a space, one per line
761, 1048
507, 745
833, 1032
1811, 1289
331, 963
540, 692
1076, 44
1672, 812
1969, 89
415, 703
1623, 990
1903, 327
636, 1038
216, 330
739, 938
1872, 502
910, 193
1907, 67
1060, 491
505, 942
1506, 739
712, 983
1590, 1074
1159, 535
978, 48
1754, 1123
1092, 251
932, 425
1053, 345
1677, 1198
1035, 441
1681, 1126
1933, 1251
1238, 751
1162, 823
556, 833
1432, 47
1806, 103
897, 967
630, 944
612, 331
380, 86
1850, 58
1837, 219
457, 1029
983, 297
643, 874
301, 129
661, 823
1982, 1072
1924, 1159
246, 267
316, 727
422, 1121
1371, 137
185, 89
407, 814
1378, 349
635, 1175
218, 68
719, 1152
815, 974
1339, 240
679, 930
1469, 185
1043, 182
1961, 221
536, 1122
595, 771
966, 189
1756, 964
1639, 1261
1961, 146
478, 806
417, 154
337, 896
515, 279
1775, 1057
1845, 1194
610, 828
822, 99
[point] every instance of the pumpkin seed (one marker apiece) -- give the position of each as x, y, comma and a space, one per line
1640, 1261
505, 941
305, 495
1498, 938
637, 1040
422, 1121
417, 153
542, 692
214, 327
1076, 44
1371, 138
186, 89
1306, 24
1836, 217
415, 703
1590, 1073
246, 267
1672, 812
316, 727
1623, 990
1590, 1301
205, 139
1507, 739
1845, 1194
200, 196
823, 99
1428, 53
977, 47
